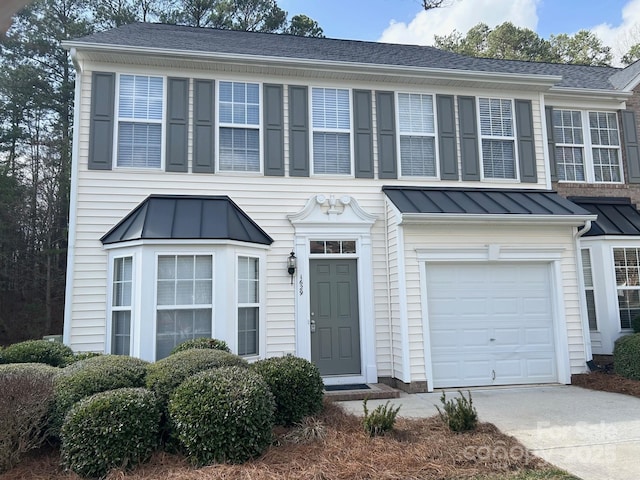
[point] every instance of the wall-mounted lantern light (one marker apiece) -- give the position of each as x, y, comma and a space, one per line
291, 265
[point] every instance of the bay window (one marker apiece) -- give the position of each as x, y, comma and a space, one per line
248, 305
122, 284
627, 267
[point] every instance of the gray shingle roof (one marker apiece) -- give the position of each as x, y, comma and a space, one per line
208, 40
465, 201
616, 215
165, 217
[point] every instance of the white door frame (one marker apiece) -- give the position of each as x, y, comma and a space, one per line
328, 218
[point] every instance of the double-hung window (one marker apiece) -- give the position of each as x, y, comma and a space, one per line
140, 116
417, 135
121, 306
248, 305
330, 108
587, 146
588, 288
497, 136
627, 266
239, 117
184, 300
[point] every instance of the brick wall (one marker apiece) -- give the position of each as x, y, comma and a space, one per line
603, 190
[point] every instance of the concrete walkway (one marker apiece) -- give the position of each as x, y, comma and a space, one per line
593, 435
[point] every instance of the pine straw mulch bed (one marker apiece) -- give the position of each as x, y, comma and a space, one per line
416, 449
607, 382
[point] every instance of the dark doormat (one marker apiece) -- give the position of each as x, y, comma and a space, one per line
351, 386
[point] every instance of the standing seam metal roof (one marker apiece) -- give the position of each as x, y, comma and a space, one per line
616, 215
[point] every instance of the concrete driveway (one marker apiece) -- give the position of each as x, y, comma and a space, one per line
593, 435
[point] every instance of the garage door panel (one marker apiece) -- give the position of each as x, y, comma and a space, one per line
490, 324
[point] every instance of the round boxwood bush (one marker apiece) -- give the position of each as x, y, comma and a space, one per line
165, 375
114, 429
210, 343
94, 375
38, 351
296, 385
223, 415
626, 356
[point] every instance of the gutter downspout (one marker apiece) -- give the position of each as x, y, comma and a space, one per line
586, 333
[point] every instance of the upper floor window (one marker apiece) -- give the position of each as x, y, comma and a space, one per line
587, 151
498, 138
140, 116
330, 108
239, 117
417, 135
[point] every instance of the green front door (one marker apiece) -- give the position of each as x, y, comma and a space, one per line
335, 331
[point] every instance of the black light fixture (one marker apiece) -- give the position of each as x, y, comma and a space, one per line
291, 265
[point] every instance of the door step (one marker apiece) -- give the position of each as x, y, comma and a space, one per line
375, 391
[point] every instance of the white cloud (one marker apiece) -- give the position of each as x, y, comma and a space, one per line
621, 37
461, 15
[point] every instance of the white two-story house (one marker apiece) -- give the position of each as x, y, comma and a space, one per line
383, 210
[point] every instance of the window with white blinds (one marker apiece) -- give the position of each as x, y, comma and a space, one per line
248, 305
121, 306
330, 110
587, 146
627, 267
588, 288
184, 300
140, 117
497, 135
417, 135
239, 118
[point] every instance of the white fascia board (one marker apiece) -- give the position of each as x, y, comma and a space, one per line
474, 218
590, 93
631, 239
545, 81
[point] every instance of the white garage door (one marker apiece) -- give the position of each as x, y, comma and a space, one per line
490, 324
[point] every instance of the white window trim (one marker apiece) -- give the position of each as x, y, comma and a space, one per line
162, 122
587, 147
434, 135
110, 308
616, 288
312, 130
259, 127
259, 305
156, 307
585, 288
514, 138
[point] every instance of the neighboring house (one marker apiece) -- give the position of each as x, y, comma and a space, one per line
412, 185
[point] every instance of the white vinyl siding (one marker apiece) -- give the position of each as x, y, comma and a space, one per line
587, 146
184, 300
588, 288
121, 306
497, 136
417, 135
627, 266
239, 117
331, 123
140, 120
248, 305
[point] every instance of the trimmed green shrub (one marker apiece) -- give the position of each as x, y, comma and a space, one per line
626, 356
296, 385
223, 415
459, 414
165, 375
381, 420
26, 396
635, 325
38, 351
80, 356
114, 429
94, 375
210, 343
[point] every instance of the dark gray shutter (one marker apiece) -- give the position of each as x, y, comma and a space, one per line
203, 126
273, 131
177, 124
298, 132
103, 91
447, 137
469, 138
551, 144
363, 133
631, 149
386, 123
526, 144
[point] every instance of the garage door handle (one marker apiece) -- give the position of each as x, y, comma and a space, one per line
493, 374
492, 339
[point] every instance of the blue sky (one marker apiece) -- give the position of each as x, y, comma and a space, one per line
617, 22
